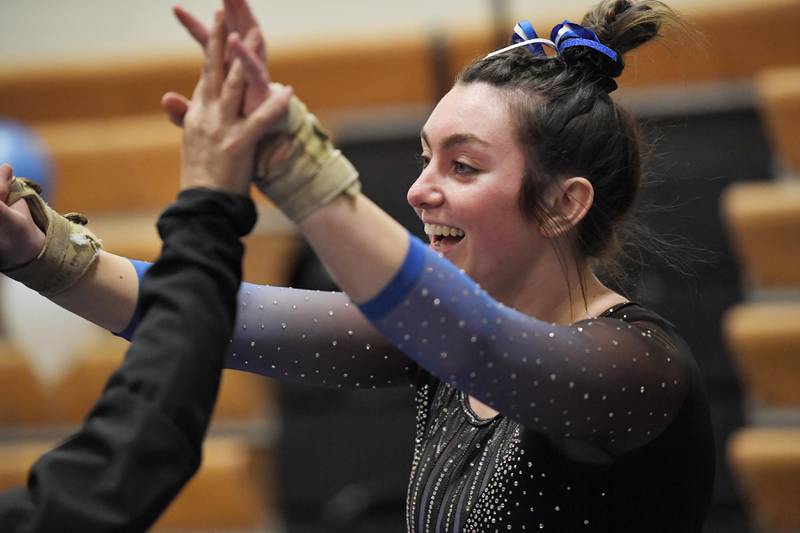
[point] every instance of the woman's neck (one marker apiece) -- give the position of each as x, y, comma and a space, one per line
558, 293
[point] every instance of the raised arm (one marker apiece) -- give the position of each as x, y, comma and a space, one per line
105, 290
66, 264
611, 383
141, 443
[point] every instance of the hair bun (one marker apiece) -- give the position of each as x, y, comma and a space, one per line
627, 24
582, 50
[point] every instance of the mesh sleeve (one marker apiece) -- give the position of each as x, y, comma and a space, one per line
613, 383
312, 337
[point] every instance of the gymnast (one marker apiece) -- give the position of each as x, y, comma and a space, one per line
142, 440
545, 400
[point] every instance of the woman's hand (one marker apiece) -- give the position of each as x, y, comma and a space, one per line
21, 240
238, 19
218, 142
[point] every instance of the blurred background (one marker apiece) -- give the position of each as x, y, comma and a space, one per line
80, 84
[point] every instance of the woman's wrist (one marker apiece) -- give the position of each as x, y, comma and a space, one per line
307, 172
67, 251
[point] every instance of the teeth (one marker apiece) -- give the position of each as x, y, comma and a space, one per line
444, 231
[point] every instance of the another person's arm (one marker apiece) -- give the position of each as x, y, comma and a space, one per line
142, 441
107, 292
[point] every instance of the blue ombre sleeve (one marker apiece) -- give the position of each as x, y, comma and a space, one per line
604, 380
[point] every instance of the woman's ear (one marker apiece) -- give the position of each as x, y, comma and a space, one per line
568, 202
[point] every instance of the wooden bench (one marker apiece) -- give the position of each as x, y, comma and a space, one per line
243, 397
764, 226
22, 398
270, 253
231, 491
764, 338
402, 72
767, 464
779, 91
328, 78
713, 55
120, 164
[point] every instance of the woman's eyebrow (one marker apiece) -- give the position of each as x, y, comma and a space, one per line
456, 139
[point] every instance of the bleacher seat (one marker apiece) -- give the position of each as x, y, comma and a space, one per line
270, 248
765, 340
779, 92
767, 462
243, 397
229, 492
764, 226
22, 399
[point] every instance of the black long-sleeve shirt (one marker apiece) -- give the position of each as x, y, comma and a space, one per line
142, 441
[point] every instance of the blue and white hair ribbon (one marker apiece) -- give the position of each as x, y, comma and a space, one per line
524, 32
525, 35
564, 35
568, 34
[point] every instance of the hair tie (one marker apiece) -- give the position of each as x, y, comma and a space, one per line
568, 34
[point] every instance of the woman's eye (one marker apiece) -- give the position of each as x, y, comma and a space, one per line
463, 168
423, 160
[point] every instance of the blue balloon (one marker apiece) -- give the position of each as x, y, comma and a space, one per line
27, 153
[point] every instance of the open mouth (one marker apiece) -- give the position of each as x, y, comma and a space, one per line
443, 237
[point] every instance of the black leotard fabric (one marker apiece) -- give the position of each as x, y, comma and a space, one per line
472, 474
604, 426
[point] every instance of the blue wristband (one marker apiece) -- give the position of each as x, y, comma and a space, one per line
403, 281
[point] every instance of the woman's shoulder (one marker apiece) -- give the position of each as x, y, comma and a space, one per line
652, 323
635, 312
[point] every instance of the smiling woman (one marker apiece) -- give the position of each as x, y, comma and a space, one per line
539, 407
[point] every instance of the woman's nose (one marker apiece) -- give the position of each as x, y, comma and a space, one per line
425, 192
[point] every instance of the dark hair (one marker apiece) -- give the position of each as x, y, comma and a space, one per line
568, 125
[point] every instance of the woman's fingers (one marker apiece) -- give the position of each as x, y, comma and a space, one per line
196, 29
6, 173
20, 239
214, 66
233, 88
175, 106
255, 71
258, 87
268, 115
239, 14
230, 19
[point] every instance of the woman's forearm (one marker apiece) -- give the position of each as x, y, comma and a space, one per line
361, 245
106, 295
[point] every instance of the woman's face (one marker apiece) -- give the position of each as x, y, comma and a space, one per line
467, 194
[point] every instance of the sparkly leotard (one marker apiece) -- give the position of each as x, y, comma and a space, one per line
604, 424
